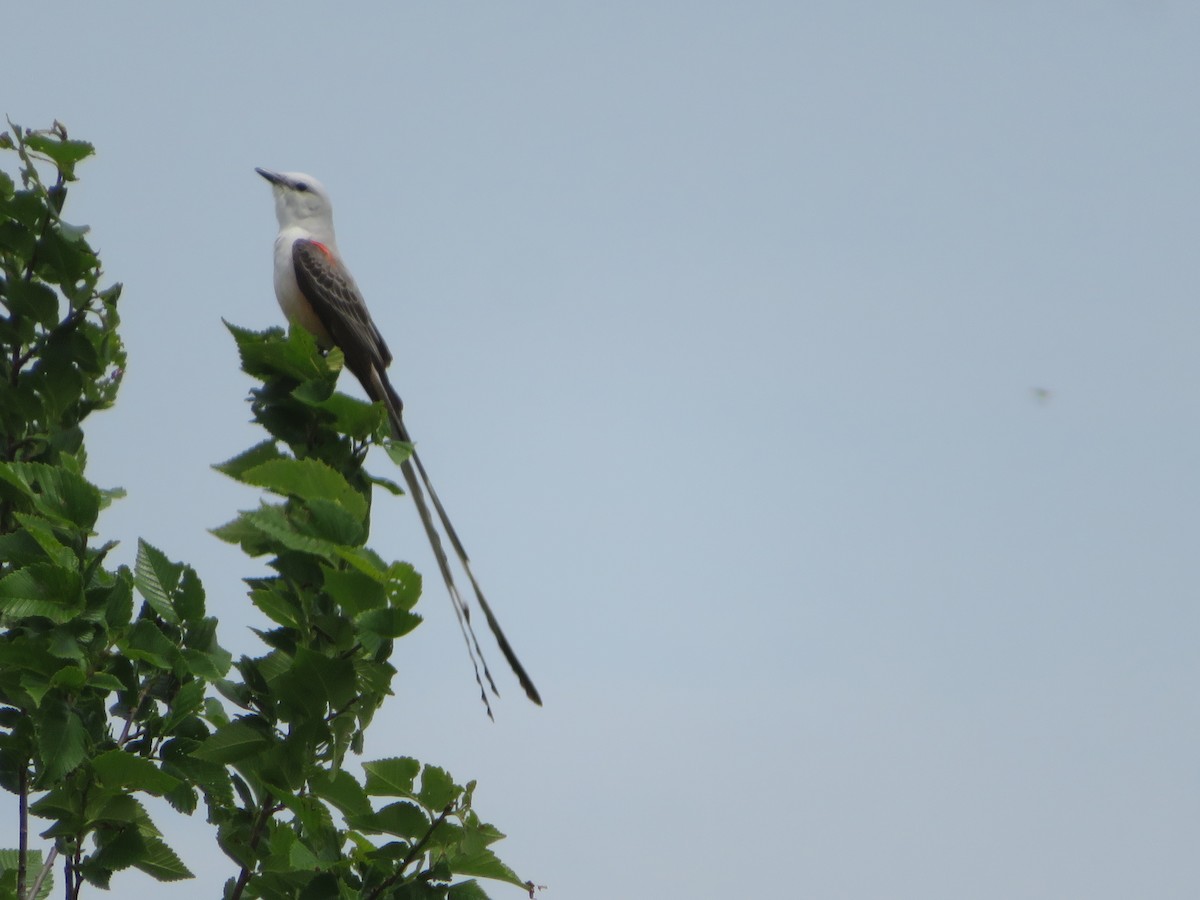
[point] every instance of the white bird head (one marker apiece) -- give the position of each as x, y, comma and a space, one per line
302, 202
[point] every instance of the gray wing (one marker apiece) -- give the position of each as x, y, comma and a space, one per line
340, 307
335, 298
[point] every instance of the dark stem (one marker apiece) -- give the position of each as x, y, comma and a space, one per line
23, 845
416, 850
268, 809
71, 876
124, 738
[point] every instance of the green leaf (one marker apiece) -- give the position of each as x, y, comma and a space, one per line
96, 874
58, 494
119, 848
366, 561
209, 664
255, 456
212, 778
375, 677
64, 154
273, 521
103, 681
326, 886
73, 233
61, 739
467, 890
231, 743
268, 353
42, 590
145, 642
161, 862
479, 834
342, 791
301, 859
308, 479
316, 679
277, 606
10, 860
42, 532
187, 702
438, 789
354, 590
68, 263
312, 393
214, 712
283, 767
118, 768
388, 623
483, 864
33, 300
69, 679
62, 804
27, 208
258, 672
387, 484
404, 585
329, 521
241, 531
399, 451
108, 495
18, 548
401, 581
391, 777
402, 819
118, 605
352, 417
156, 578
189, 599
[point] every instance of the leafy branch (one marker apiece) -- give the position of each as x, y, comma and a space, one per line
104, 702
336, 608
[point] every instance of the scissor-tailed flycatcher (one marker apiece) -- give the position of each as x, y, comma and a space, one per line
317, 292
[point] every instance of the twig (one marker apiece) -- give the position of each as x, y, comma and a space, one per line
36, 887
416, 850
124, 738
23, 840
268, 809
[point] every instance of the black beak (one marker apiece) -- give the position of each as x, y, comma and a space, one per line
273, 177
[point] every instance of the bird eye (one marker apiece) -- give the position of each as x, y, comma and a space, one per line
301, 186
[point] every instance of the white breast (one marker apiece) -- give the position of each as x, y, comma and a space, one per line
291, 299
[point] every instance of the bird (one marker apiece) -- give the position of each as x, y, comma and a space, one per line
317, 292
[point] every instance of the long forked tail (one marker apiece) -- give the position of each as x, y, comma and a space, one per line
505, 647
461, 611
385, 393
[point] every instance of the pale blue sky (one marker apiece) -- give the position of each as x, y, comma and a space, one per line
719, 327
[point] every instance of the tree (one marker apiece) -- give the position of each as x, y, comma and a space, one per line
101, 705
